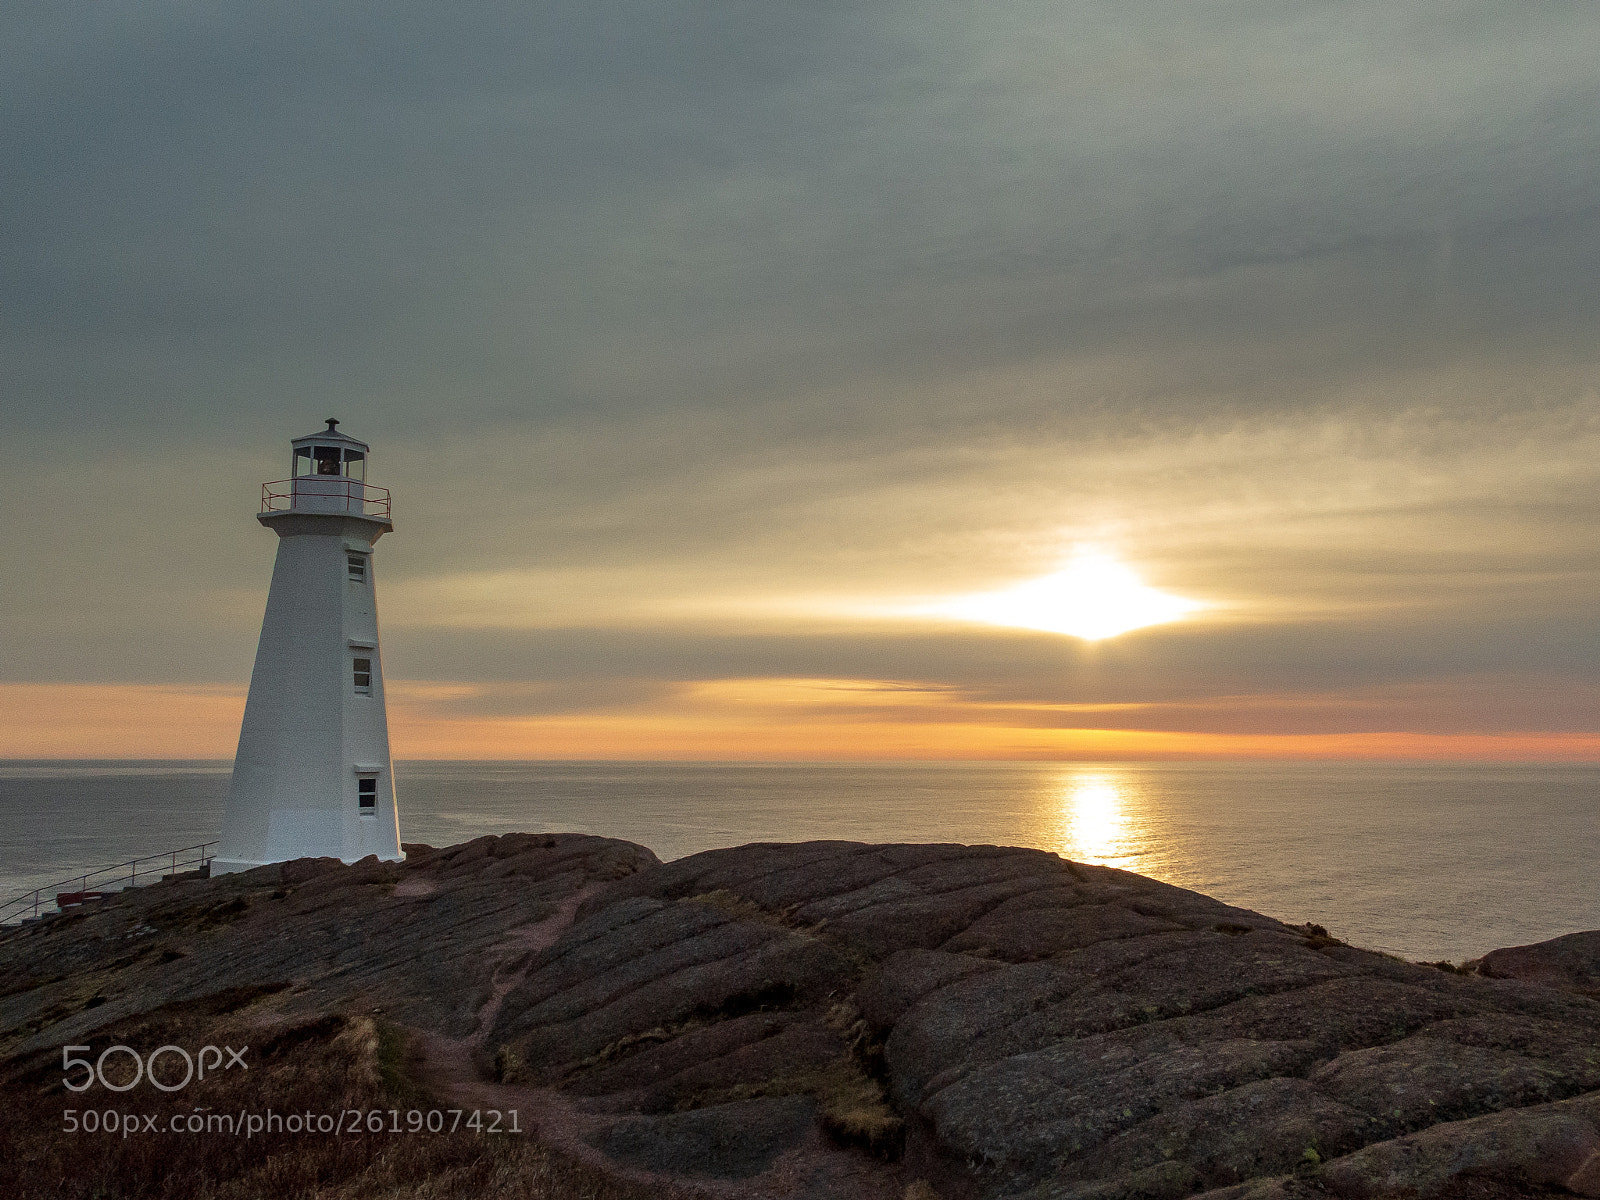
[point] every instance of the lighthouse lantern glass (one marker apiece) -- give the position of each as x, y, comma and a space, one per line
329, 460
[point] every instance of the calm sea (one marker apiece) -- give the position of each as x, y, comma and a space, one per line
1424, 860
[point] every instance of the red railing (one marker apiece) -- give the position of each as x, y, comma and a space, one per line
173, 862
325, 494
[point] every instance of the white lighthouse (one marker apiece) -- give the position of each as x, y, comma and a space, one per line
312, 777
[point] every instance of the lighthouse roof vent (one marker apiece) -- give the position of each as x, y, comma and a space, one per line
329, 437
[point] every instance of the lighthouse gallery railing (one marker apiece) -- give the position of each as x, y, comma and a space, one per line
325, 493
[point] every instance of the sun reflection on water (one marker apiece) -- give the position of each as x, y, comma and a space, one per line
1094, 818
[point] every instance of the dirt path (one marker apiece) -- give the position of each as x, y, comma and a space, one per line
449, 1068
449, 1065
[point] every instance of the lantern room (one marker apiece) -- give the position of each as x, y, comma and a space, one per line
327, 474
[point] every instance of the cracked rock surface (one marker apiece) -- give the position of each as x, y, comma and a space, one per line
838, 1019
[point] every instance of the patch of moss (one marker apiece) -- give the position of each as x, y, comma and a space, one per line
738, 908
852, 1104
770, 995
851, 1107
397, 1058
508, 1066
1317, 937
225, 912
621, 1048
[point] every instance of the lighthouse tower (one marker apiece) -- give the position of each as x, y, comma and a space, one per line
312, 777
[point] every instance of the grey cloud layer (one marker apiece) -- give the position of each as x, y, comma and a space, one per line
616, 206
1298, 301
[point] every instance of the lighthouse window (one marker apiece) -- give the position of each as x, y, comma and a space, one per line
355, 464
363, 676
358, 567
302, 460
367, 794
327, 459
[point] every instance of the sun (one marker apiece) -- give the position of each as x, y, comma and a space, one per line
1093, 597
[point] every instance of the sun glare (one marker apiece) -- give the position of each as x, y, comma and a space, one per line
1093, 597
1093, 819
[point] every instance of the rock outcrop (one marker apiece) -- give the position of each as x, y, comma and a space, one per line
1571, 962
842, 1020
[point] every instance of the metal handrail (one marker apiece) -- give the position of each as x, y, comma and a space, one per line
17, 908
359, 498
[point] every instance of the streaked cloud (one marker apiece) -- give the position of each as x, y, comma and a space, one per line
694, 339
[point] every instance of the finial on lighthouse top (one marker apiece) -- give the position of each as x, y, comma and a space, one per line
333, 424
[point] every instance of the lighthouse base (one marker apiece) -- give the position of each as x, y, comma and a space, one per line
228, 866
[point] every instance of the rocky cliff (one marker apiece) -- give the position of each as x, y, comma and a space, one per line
815, 1020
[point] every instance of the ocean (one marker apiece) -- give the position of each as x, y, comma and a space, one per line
1423, 860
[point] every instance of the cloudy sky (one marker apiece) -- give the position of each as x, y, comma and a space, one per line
712, 351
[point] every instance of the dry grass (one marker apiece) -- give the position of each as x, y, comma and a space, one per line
323, 1065
853, 1108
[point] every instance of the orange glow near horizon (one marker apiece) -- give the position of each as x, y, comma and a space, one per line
764, 719
119, 720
